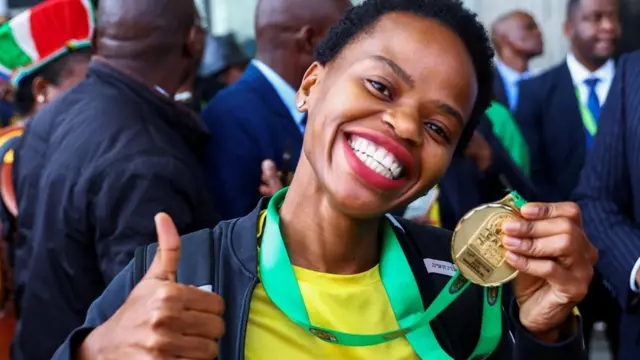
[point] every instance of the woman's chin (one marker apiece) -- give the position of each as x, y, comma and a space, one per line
360, 203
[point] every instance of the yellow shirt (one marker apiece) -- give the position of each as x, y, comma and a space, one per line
348, 303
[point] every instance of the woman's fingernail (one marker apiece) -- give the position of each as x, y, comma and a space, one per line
531, 210
510, 226
511, 242
512, 257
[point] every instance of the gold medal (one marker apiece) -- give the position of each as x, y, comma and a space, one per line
476, 246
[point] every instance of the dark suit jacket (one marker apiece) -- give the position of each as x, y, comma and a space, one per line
609, 195
549, 117
465, 187
249, 123
499, 90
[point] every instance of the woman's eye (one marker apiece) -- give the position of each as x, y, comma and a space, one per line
437, 130
381, 88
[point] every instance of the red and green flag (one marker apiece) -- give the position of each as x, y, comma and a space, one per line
44, 33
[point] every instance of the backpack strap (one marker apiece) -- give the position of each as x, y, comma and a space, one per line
197, 260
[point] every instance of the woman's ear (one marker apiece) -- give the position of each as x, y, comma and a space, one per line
39, 89
311, 78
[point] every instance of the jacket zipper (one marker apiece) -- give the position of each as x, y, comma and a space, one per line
245, 318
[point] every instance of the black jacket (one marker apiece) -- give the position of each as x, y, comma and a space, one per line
235, 271
93, 168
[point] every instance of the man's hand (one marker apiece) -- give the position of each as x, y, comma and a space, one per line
479, 151
271, 182
161, 319
555, 260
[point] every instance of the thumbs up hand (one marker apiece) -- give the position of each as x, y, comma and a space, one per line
161, 319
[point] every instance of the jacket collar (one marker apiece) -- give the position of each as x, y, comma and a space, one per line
244, 243
178, 117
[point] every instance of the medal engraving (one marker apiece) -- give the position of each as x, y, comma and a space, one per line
476, 262
487, 241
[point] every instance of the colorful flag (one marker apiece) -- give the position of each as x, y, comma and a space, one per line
42, 34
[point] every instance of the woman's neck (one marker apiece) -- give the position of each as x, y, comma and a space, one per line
321, 238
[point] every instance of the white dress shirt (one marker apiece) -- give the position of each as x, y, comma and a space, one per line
286, 93
579, 74
511, 79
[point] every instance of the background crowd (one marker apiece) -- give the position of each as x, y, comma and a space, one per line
125, 119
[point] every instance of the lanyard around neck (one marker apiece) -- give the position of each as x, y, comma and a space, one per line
280, 284
588, 120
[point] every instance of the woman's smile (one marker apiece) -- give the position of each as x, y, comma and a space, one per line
378, 159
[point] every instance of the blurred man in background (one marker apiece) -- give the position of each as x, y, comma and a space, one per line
517, 40
257, 118
558, 110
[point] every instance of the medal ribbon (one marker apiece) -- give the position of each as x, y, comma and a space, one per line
280, 284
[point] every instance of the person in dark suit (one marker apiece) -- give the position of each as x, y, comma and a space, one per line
557, 110
256, 118
517, 39
609, 195
558, 113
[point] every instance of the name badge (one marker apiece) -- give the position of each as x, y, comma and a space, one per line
440, 267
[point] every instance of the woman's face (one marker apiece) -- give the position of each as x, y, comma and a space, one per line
386, 115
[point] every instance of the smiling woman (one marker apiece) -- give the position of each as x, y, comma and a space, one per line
397, 86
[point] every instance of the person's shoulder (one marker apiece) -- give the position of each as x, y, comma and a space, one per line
236, 101
629, 64
545, 78
631, 60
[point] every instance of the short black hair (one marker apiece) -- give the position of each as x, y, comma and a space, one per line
53, 72
451, 13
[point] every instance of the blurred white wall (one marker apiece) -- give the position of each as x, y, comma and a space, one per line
237, 16
4, 7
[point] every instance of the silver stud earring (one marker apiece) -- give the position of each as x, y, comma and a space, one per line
301, 103
40, 99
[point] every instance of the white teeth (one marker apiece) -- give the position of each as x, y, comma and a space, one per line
376, 157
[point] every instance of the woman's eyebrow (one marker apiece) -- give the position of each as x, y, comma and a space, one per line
450, 110
397, 69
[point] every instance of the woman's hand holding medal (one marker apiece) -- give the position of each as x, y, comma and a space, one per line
555, 260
